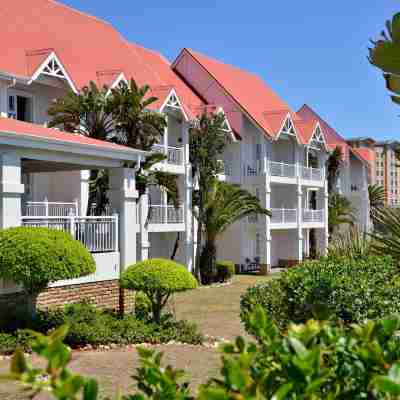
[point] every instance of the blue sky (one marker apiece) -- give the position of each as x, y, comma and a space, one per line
307, 51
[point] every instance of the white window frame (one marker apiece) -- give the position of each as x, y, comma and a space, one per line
21, 93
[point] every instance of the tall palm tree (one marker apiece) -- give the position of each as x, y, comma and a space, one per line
340, 212
377, 196
333, 165
225, 204
385, 55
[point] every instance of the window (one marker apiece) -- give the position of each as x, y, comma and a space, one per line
20, 107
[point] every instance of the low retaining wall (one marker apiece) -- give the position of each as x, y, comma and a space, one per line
104, 294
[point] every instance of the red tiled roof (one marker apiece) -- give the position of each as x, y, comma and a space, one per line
368, 155
88, 48
12, 126
252, 94
333, 139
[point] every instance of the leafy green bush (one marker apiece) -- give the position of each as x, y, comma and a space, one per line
142, 307
158, 278
35, 257
89, 325
316, 360
350, 290
225, 270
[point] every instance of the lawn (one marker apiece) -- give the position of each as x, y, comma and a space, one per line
215, 310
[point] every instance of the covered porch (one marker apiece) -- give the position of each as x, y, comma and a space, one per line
32, 150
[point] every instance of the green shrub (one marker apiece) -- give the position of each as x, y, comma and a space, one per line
316, 360
35, 257
350, 290
142, 307
158, 278
91, 326
225, 270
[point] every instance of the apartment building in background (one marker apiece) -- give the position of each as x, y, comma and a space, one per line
384, 165
276, 153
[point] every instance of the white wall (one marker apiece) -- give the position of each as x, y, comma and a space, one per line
284, 245
162, 245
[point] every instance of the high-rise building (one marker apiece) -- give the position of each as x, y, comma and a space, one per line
384, 165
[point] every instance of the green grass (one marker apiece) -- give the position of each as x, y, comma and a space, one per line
215, 310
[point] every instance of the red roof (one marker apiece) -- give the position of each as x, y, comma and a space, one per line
8, 125
251, 93
368, 155
88, 48
333, 139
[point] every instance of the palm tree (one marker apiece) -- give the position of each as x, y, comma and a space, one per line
225, 204
387, 242
333, 165
88, 113
136, 125
208, 140
385, 55
377, 196
340, 212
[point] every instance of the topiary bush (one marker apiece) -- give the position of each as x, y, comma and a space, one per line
158, 278
349, 290
225, 270
35, 257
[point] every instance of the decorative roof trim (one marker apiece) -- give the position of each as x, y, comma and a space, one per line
49, 63
318, 126
282, 129
120, 78
172, 100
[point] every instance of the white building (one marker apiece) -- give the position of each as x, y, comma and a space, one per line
277, 154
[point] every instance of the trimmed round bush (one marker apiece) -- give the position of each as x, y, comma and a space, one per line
35, 257
341, 289
225, 270
158, 278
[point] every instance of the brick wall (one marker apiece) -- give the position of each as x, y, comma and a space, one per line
103, 294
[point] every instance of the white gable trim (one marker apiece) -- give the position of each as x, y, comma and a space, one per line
172, 100
120, 78
228, 128
322, 136
282, 129
51, 62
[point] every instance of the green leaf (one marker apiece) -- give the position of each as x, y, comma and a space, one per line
91, 390
18, 362
282, 392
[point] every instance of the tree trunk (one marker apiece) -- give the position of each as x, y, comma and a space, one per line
208, 262
197, 269
176, 246
31, 304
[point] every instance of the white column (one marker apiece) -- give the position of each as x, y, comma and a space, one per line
166, 137
84, 197
268, 223
123, 196
3, 99
326, 226
188, 206
144, 233
299, 255
11, 190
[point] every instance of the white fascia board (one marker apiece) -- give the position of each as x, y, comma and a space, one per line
120, 78
29, 141
173, 93
229, 130
294, 128
317, 125
53, 56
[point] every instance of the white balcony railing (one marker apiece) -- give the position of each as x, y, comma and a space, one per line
312, 174
174, 154
50, 209
161, 214
283, 215
282, 169
98, 234
313, 215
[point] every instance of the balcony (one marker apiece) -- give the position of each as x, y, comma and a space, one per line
281, 169
98, 234
284, 216
174, 154
312, 174
313, 215
49, 209
162, 214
